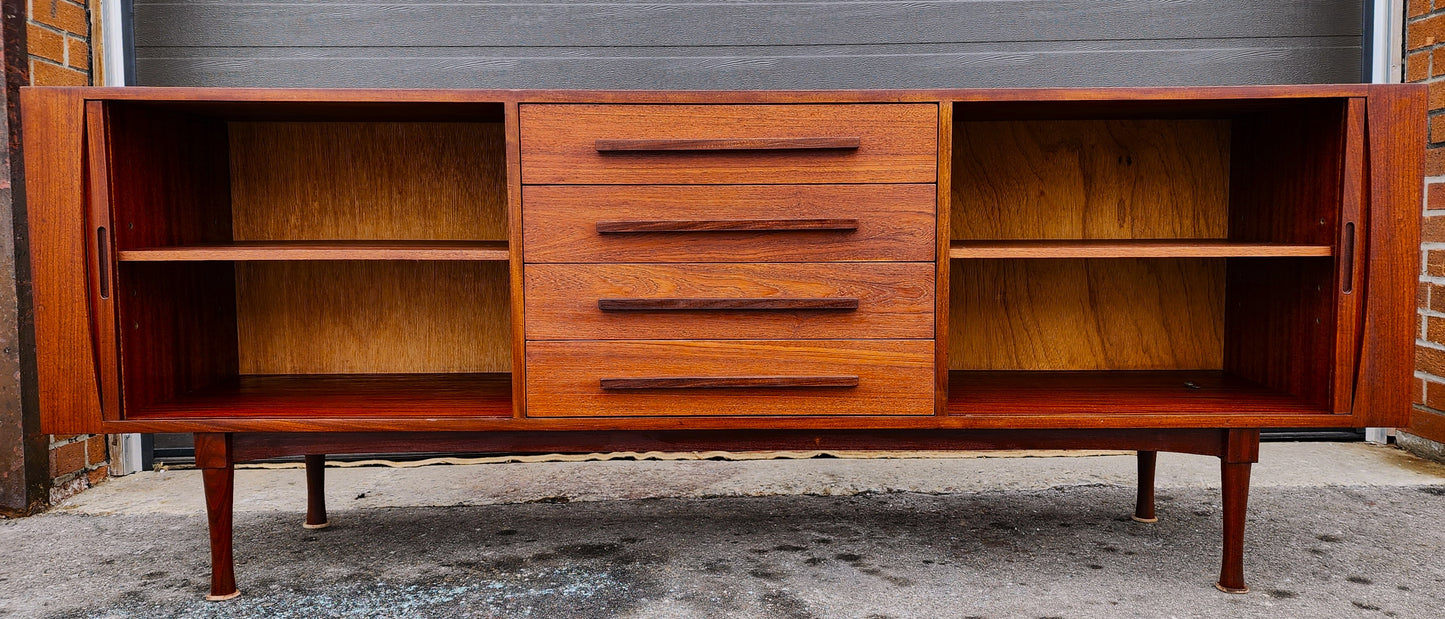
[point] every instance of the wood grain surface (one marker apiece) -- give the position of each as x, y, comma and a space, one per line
312, 181
1090, 179
1085, 394
418, 397
1281, 325
1111, 314
1395, 129
243, 251
894, 222
895, 377
373, 317
894, 300
177, 323
1284, 184
897, 143
1086, 248
65, 355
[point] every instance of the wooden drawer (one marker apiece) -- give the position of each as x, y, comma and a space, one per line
728, 223
729, 378
885, 300
753, 144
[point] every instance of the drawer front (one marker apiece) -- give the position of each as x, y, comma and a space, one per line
884, 300
729, 378
728, 223
752, 144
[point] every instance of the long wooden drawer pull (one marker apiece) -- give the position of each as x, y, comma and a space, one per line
729, 382
725, 225
726, 304
729, 144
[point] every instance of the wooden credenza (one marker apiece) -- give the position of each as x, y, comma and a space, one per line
290, 272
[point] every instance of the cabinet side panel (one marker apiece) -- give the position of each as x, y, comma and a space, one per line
1280, 325
54, 124
1396, 130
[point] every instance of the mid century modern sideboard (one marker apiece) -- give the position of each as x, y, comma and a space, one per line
310, 272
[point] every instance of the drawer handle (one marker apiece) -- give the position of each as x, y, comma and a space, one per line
729, 382
758, 304
728, 144
725, 225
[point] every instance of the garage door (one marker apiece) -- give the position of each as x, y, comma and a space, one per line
745, 44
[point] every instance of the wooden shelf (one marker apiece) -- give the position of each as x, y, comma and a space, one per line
322, 250
1114, 392
344, 395
1126, 248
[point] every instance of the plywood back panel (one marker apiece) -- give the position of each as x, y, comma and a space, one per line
1090, 179
1110, 314
373, 317
368, 181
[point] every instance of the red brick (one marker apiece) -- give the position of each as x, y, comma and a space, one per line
95, 450
1422, 295
1437, 126
1435, 329
79, 51
1437, 297
1417, 8
71, 17
1435, 162
1437, 95
1419, 397
1417, 67
45, 74
98, 475
44, 43
1435, 196
1423, 33
1435, 263
1435, 395
67, 459
1432, 229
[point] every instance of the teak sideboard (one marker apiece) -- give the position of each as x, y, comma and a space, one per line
310, 272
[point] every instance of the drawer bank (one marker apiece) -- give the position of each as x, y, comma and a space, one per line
311, 272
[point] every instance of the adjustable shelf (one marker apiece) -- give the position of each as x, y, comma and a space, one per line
241, 251
1114, 392
1131, 248
483, 394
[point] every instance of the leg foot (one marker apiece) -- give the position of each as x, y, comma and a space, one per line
1144, 503
316, 493
213, 456
1236, 497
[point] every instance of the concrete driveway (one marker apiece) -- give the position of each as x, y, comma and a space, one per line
1334, 530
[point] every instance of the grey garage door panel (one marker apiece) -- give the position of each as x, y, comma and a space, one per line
582, 69
708, 22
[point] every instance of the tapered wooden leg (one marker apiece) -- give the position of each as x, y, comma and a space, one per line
1241, 451
316, 493
213, 457
1144, 503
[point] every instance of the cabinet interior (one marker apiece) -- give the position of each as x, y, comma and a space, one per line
1176, 251
395, 218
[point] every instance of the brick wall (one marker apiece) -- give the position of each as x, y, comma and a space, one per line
58, 40
1425, 62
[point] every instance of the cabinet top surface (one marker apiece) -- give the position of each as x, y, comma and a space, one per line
733, 96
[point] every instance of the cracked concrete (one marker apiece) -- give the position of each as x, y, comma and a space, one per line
1335, 530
